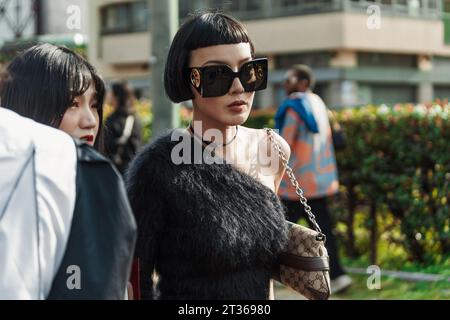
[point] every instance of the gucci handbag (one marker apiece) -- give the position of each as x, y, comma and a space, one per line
303, 265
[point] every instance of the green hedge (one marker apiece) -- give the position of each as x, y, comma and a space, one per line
398, 163
395, 170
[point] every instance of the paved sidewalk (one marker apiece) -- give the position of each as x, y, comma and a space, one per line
283, 293
405, 275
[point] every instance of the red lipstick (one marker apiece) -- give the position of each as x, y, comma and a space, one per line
88, 138
237, 106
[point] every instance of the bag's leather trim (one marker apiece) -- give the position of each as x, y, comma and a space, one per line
304, 263
319, 295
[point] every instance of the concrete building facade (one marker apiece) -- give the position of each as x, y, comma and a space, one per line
384, 51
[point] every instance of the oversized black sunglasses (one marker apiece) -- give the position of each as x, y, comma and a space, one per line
216, 80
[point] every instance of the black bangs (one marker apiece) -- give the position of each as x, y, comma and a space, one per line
99, 85
86, 78
215, 29
4, 79
79, 81
78, 76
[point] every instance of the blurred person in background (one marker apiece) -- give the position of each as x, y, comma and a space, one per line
302, 120
123, 130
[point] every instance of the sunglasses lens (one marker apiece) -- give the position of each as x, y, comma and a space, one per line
254, 75
216, 81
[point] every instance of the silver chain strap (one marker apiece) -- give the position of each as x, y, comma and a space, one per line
294, 181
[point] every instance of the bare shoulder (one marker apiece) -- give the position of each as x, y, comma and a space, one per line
284, 146
261, 138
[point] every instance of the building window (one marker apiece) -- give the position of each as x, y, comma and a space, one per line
300, 7
289, 3
370, 59
253, 5
441, 92
139, 16
294, 3
259, 9
114, 19
236, 6
312, 59
125, 17
446, 20
389, 94
412, 8
185, 8
441, 63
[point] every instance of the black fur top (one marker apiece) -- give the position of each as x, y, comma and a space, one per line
209, 231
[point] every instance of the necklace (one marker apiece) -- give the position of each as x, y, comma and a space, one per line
207, 143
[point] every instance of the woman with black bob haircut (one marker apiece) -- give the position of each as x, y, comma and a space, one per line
55, 86
210, 230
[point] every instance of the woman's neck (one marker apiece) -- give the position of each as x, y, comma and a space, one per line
201, 124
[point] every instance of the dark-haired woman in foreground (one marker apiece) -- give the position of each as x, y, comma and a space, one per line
55, 86
209, 230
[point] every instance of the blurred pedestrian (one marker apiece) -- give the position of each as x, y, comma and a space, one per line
302, 119
123, 128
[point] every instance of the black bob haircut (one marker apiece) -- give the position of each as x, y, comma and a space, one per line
44, 80
201, 30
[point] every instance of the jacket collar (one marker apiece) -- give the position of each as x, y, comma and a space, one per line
86, 153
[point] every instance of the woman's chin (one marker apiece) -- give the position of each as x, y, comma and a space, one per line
238, 119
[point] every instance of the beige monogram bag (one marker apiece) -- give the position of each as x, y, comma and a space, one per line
303, 264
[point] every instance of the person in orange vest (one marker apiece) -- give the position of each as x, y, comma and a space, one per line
302, 120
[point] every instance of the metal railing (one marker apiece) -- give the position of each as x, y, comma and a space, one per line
424, 9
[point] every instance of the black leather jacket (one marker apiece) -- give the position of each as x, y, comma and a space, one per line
102, 236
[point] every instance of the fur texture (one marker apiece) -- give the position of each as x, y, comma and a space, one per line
209, 231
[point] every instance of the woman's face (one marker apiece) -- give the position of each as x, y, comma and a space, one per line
81, 119
234, 107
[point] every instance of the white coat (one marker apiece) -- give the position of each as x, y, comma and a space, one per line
37, 199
